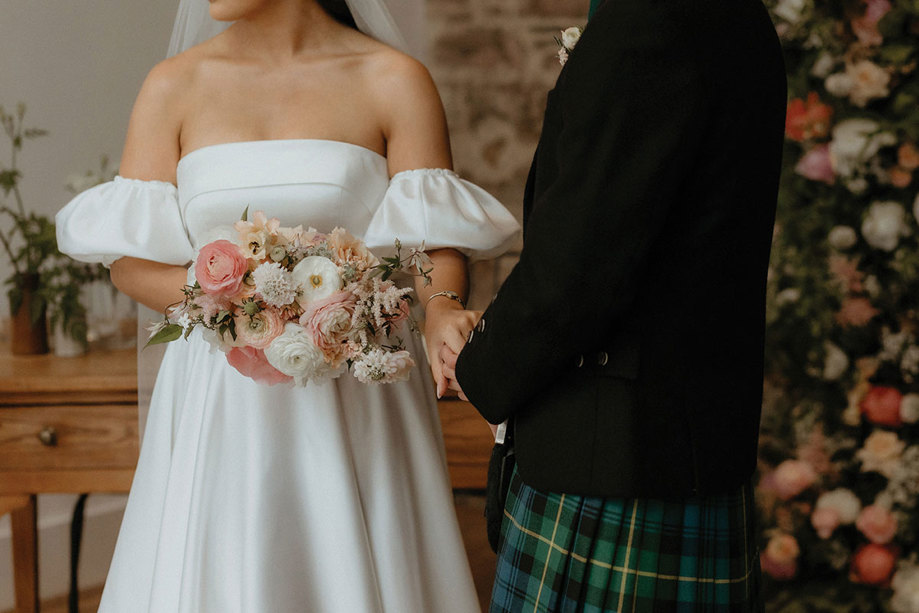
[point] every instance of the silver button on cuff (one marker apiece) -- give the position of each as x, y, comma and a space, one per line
603, 358
481, 326
580, 361
469, 338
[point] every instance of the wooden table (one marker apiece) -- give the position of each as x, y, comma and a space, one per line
69, 425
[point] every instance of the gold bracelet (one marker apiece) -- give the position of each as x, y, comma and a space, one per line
448, 294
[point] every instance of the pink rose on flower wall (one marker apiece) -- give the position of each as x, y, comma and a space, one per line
780, 558
816, 166
825, 521
873, 565
792, 477
220, 268
881, 405
252, 363
878, 524
865, 26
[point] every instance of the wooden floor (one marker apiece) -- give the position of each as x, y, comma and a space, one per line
469, 511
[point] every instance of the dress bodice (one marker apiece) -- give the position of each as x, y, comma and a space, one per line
310, 182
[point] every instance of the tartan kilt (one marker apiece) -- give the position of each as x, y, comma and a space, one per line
564, 554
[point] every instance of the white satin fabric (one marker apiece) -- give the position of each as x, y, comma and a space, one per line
257, 499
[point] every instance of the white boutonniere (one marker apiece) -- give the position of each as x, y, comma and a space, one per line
567, 42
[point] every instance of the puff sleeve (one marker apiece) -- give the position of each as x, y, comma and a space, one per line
436, 207
125, 217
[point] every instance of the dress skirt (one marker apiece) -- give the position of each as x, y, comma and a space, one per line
565, 554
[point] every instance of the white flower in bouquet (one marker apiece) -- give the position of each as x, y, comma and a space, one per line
869, 81
884, 225
275, 284
570, 37
380, 366
836, 362
295, 354
905, 586
856, 141
316, 278
881, 453
843, 237
844, 502
790, 10
909, 408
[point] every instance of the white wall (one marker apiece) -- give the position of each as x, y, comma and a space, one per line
78, 64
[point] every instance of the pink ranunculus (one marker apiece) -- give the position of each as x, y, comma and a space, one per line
873, 564
793, 477
825, 521
865, 26
816, 166
260, 329
252, 363
877, 523
220, 268
780, 558
328, 322
881, 406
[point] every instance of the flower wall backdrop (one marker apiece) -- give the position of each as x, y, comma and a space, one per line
839, 471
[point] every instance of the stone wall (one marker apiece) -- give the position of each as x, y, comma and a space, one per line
494, 61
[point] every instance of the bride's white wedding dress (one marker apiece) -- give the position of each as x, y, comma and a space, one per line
257, 499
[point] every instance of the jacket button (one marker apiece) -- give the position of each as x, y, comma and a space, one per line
603, 358
481, 326
580, 361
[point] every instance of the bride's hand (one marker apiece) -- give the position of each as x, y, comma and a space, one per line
446, 324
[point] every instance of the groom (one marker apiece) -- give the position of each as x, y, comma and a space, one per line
626, 347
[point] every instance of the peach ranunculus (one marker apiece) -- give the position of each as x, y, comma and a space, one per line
260, 329
825, 520
257, 234
856, 312
780, 558
792, 477
816, 165
877, 523
881, 453
873, 564
220, 268
881, 406
807, 120
252, 363
351, 250
865, 26
328, 322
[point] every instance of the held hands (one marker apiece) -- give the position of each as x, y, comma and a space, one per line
446, 328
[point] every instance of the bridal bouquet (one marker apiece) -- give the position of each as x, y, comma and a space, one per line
295, 305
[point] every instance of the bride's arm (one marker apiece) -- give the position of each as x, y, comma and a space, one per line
151, 153
416, 137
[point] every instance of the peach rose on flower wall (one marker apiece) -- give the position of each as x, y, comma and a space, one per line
856, 312
865, 26
881, 453
881, 405
873, 565
908, 156
220, 268
878, 524
792, 477
780, 558
825, 521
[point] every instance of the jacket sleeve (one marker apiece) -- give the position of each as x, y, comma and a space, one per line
632, 111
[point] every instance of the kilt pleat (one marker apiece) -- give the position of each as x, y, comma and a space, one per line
576, 554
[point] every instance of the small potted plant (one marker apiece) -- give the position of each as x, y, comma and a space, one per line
62, 285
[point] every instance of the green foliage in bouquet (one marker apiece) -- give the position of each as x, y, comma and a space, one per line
839, 452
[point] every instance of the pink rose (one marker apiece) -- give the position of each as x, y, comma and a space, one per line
220, 268
793, 477
780, 558
815, 165
825, 521
260, 329
865, 27
873, 565
878, 524
881, 405
252, 363
328, 322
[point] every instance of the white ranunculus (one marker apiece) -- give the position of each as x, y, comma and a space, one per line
836, 362
905, 584
885, 225
869, 81
855, 142
909, 408
295, 354
790, 10
839, 84
316, 277
570, 37
824, 65
844, 502
843, 237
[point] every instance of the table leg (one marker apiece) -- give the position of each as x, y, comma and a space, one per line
25, 557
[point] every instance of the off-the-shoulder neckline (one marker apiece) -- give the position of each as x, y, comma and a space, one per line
281, 140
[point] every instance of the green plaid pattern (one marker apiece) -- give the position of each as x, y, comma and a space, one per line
565, 554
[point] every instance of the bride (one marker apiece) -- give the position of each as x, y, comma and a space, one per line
331, 498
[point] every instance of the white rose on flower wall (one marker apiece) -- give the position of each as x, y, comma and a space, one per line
869, 81
839, 84
824, 65
855, 141
836, 362
843, 237
844, 502
790, 10
909, 408
905, 586
885, 225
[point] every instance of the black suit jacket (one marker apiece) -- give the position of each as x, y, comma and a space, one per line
627, 344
